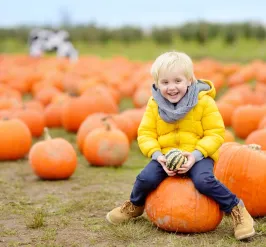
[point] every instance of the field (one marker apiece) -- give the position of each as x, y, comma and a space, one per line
68, 213
36, 212
253, 49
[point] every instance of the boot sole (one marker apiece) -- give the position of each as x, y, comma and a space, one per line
246, 235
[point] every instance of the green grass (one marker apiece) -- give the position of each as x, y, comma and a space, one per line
148, 50
35, 219
243, 50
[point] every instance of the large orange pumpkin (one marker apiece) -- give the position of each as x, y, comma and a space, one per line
177, 206
16, 139
106, 147
242, 169
53, 158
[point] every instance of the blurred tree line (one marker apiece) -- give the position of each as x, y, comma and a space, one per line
201, 32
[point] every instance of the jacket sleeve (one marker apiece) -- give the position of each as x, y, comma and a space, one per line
213, 128
147, 131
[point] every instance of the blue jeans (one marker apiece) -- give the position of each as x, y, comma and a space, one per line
201, 174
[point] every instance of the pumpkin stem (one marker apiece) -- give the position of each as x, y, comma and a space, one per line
253, 87
254, 147
46, 134
72, 93
105, 122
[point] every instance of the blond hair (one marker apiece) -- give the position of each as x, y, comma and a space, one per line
169, 61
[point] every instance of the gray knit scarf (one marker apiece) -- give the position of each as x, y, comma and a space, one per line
170, 112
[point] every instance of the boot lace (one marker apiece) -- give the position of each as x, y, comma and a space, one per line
128, 207
237, 216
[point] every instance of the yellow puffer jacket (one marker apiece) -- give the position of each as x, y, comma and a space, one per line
202, 128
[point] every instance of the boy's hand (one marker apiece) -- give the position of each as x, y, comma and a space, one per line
162, 160
190, 162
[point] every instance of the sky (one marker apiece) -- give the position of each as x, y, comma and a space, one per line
115, 13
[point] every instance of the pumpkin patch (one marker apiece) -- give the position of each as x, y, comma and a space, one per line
93, 108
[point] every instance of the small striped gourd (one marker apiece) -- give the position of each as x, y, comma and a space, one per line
175, 159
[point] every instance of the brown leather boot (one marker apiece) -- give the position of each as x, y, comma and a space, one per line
243, 222
124, 213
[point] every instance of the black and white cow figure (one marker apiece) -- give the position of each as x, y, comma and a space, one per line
44, 40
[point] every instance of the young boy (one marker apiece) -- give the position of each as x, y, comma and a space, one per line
182, 114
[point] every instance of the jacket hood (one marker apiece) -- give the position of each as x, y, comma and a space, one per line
211, 91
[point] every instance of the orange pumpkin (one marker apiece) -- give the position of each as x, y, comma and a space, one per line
8, 103
92, 122
8, 92
5, 114
106, 147
242, 169
257, 137
52, 115
226, 111
53, 158
232, 98
177, 206
126, 126
218, 80
16, 139
235, 79
46, 94
33, 119
231, 68
141, 96
34, 105
115, 94
135, 116
246, 119
229, 136
262, 123
76, 109
102, 98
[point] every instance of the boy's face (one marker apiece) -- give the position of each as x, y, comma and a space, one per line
173, 84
